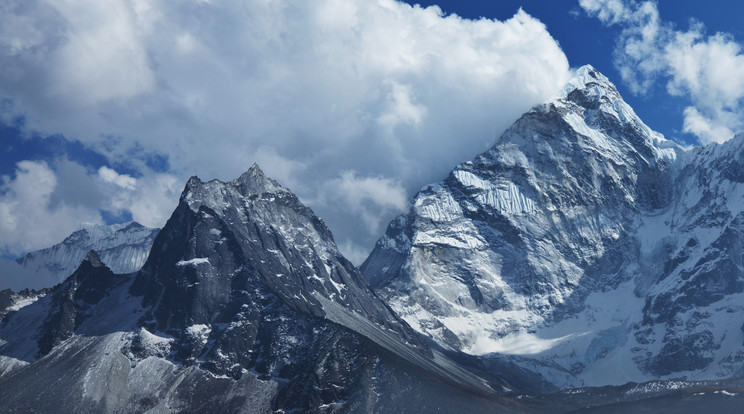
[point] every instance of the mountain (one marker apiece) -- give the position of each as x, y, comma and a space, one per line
583, 245
244, 305
583, 263
123, 247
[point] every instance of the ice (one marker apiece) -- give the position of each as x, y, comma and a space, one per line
22, 303
439, 207
122, 247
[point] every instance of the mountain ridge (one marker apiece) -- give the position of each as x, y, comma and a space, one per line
124, 247
243, 290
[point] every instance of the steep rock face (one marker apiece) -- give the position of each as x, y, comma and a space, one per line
122, 247
552, 247
246, 238
73, 300
694, 247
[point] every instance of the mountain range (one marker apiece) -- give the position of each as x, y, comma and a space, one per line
583, 262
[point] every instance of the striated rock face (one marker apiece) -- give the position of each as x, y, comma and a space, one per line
581, 241
122, 247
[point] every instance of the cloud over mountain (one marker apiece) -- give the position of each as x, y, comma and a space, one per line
365, 93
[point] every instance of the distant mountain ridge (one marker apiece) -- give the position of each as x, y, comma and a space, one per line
123, 247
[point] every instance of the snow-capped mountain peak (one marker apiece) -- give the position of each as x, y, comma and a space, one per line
244, 302
598, 105
576, 240
255, 182
122, 247
93, 258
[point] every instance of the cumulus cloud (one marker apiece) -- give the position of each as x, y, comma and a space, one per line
153, 201
371, 198
28, 218
704, 68
43, 203
308, 89
123, 181
150, 199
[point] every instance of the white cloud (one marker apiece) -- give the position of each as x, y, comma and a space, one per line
311, 88
709, 130
102, 56
121, 180
373, 199
401, 107
353, 252
150, 199
704, 68
608, 11
42, 204
29, 219
16, 277
154, 200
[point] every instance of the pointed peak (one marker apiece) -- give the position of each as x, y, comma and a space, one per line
193, 181
252, 174
93, 258
589, 81
587, 70
254, 181
255, 168
132, 225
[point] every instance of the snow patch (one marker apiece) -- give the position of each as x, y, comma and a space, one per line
193, 262
199, 332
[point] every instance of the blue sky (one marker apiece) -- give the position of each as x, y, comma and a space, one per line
107, 109
585, 40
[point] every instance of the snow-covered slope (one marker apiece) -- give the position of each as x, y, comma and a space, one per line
123, 247
583, 244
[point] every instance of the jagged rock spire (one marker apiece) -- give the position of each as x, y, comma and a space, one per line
93, 258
